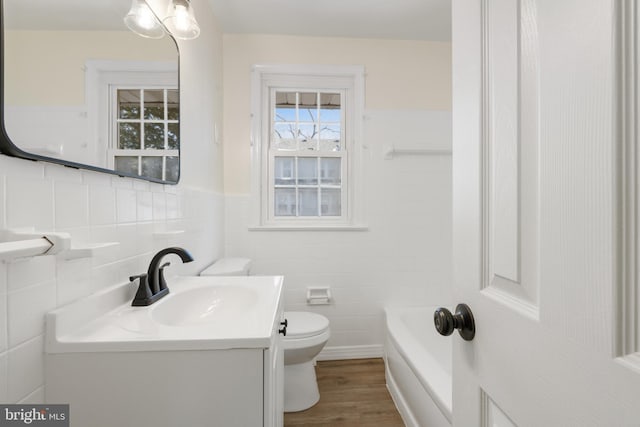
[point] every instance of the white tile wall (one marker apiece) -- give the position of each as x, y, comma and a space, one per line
94, 208
25, 369
404, 259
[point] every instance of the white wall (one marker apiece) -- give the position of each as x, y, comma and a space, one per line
404, 258
101, 208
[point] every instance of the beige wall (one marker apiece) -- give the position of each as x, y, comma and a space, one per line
47, 67
400, 75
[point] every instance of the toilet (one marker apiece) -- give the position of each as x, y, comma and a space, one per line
307, 334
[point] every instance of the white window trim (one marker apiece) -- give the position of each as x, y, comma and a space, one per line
100, 75
262, 75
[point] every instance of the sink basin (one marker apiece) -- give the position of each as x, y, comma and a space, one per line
199, 313
210, 304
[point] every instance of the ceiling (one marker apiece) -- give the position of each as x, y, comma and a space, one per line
386, 19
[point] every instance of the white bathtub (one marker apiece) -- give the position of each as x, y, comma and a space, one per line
418, 367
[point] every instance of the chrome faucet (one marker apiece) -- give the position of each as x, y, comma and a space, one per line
152, 284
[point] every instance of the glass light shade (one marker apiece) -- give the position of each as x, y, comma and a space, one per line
142, 21
180, 20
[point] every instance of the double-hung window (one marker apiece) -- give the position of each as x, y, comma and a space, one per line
306, 145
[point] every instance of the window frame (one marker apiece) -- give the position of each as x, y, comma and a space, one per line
349, 81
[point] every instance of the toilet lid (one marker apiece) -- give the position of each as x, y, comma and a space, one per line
304, 324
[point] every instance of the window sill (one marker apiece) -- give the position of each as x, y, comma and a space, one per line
309, 228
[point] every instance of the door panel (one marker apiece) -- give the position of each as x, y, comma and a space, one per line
536, 209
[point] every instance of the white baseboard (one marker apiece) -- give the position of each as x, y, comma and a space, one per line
351, 352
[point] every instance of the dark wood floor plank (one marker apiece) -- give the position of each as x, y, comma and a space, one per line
352, 394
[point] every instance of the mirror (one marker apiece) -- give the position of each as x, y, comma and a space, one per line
82, 90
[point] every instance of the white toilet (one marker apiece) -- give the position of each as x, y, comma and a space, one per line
307, 333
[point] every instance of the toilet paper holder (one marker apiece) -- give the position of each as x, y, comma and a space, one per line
318, 295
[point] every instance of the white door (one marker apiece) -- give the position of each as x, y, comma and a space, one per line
545, 212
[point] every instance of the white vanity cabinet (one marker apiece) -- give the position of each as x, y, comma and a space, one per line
110, 379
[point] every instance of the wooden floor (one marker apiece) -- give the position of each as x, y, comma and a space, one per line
352, 394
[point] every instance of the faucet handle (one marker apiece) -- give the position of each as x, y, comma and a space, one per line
144, 292
162, 283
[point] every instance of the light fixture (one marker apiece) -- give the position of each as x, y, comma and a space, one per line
180, 20
142, 21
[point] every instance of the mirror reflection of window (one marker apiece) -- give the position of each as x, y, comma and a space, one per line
146, 140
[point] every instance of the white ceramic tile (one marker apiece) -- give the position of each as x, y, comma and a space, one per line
125, 205
3, 211
145, 206
26, 310
35, 398
30, 271
127, 235
3, 278
92, 178
36, 210
102, 205
140, 185
60, 173
144, 237
73, 281
4, 342
105, 234
71, 204
159, 206
173, 208
120, 182
12, 166
26, 369
4, 377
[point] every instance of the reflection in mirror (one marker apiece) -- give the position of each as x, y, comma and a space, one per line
81, 89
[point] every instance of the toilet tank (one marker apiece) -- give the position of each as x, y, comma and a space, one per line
228, 267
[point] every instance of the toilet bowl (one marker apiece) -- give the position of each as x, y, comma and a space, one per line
307, 334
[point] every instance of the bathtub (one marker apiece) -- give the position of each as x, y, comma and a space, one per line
418, 367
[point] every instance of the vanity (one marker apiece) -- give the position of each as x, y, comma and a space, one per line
207, 354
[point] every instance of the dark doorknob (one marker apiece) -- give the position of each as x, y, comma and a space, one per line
446, 322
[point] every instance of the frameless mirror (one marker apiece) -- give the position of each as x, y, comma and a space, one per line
82, 90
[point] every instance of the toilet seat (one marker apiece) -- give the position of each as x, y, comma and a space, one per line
303, 324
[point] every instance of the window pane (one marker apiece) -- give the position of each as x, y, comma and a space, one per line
126, 164
129, 136
173, 104
330, 202
308, 201
308, 137
330, 138
173, 136
307, 170
129, 104
154, 136
284, 136
152, 167
330, 173
285, 202
284, 171
285, 107
308, 107
330, 106
154, 104
173, 169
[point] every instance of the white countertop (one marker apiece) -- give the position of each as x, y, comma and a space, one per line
200, 313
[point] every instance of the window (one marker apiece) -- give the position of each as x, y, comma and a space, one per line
146, 132
307, 123
134, 117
